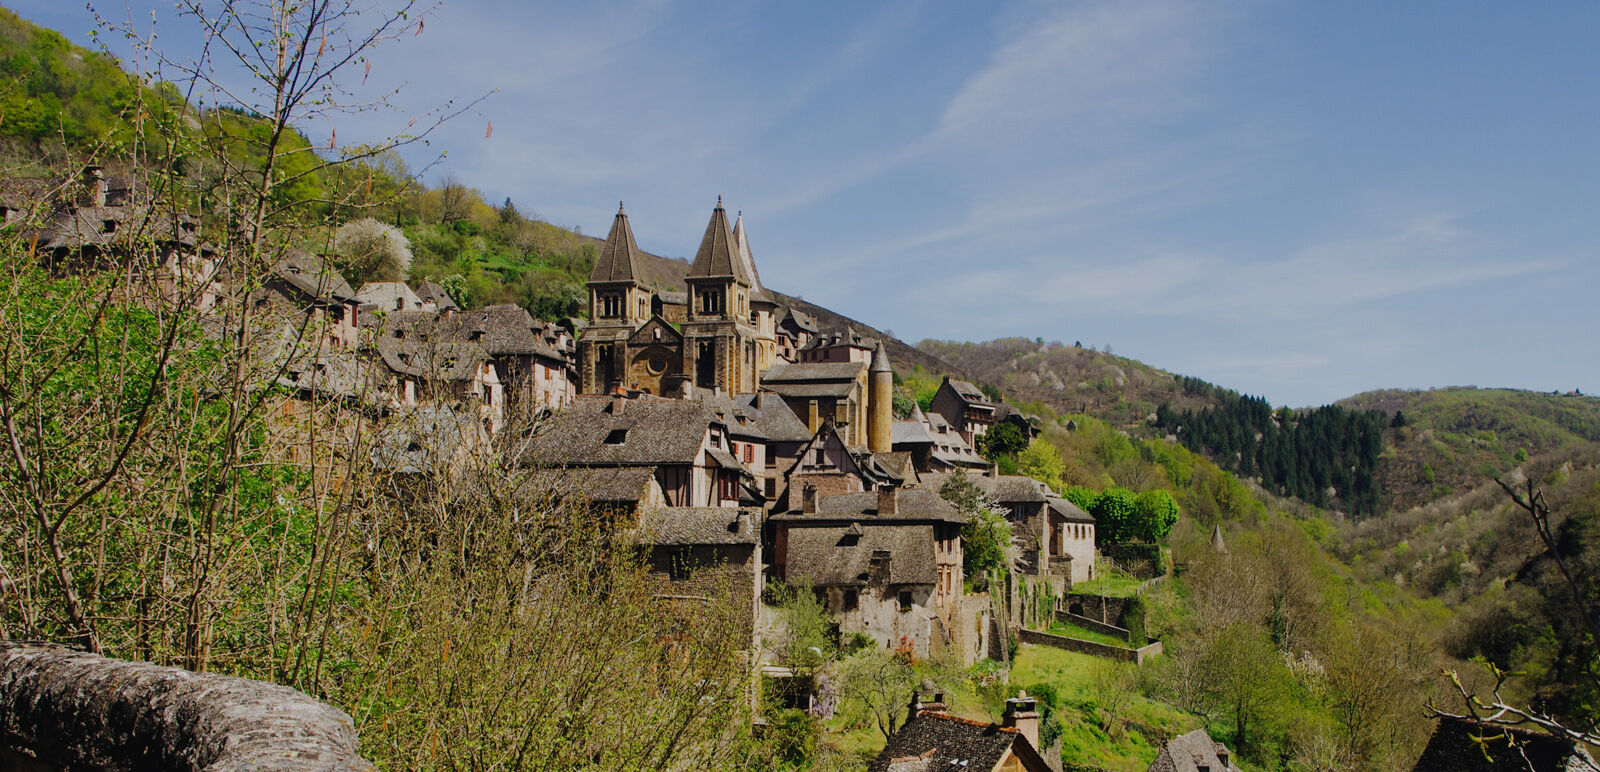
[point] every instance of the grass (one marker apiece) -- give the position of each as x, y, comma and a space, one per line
1110, 583
1073, 631
1088, 736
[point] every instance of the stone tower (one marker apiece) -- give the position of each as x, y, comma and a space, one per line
719, 347
880, 401
618, 304
763, 309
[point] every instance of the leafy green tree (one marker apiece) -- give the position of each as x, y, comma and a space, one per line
1115, 513
1155, 512
1041, 461
1002, 439
986, 538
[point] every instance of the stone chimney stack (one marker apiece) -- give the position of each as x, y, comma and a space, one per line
993, 471
880, 402
94, 185
928, 699
888, 500
1021, 714
619, 402
808, 498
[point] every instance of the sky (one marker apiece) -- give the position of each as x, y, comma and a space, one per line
1300, 201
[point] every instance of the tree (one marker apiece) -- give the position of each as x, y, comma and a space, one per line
1041, 461
986, 538
877, 686
1155, 512
373, 251
1002, 439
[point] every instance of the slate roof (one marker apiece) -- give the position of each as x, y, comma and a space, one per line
1189, 752
939, 742
804, 390
674, 298
741, 239
829, 556
740, 421
718, 257
383, 295
503, 330
307, 273
619, 256
805, 372
774, 417
688, 526
1452, 748
797, 319
909, 433
969, 392
1068, 511
435, 294
655, 432
606, 484
113, 226
445, 360
424, 439
335, 372
915, 504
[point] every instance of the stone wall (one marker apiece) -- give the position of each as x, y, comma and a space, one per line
62, 709
1141, 560
1136, 656
1093, 625
1103, 609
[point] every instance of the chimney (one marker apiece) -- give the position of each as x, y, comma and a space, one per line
94, 183
1021, 715
888, 500
928, 699
1223, 756
619, 402
994, 471
808, 498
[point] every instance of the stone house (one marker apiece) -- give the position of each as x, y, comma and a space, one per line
1056, 537
887, 563
793, 331
390, 296
825, 391
306, 293
429, 292
1193, 752
844, 346
427, 370
704, 554
684, 444
435, 441
965, 408
933, 445
933, 740
98, 221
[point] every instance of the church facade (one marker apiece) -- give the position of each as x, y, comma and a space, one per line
724, 343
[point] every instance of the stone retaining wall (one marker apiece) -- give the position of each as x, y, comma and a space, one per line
66, 709
1093, 649
1093, 625
1101, 608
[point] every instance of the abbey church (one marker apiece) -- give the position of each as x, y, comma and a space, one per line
725, 336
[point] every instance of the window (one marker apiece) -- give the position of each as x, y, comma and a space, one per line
108, 226
749, 453
611, 305
617, 436
772, 488
711, 302
905, 600
851, 600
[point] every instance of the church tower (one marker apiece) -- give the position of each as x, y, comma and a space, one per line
763, 309
719, 347
618, 304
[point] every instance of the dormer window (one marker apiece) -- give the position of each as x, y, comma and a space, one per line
475, 335
108, 226
399, 334
616, 436
399, 304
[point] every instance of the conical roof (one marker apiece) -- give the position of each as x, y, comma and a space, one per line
619, 259
718, 257
742, 239
880, 360
1216, 540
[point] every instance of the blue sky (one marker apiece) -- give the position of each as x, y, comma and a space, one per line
1297, 200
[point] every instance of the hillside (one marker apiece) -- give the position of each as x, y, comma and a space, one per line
1072, 379
1458, 438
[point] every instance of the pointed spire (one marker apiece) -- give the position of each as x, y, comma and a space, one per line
1216, 540
916, 413
741, 238
619, 258
880, 360
718, 256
